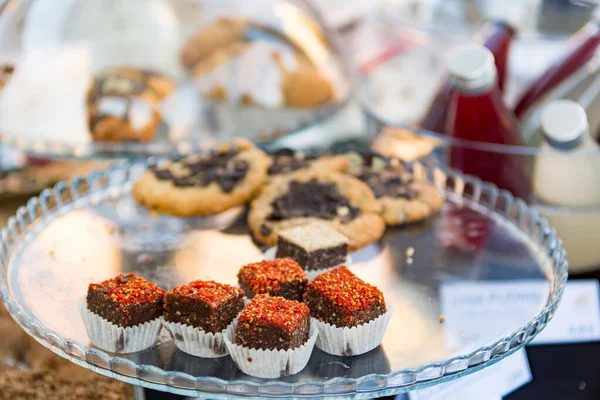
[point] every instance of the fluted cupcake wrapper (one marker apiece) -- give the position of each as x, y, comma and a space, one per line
270, 363
198, 342
270, 253
116, 339
351, 341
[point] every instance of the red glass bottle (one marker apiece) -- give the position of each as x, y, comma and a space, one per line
477, 114
497, 36
582, 48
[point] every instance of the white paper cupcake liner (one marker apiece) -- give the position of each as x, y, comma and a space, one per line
270, 363
116, 339
351, 341
270, 253
198, 342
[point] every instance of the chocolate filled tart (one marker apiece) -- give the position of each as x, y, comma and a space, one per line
313, 199
389, 185
284, 161
273, 323
126, 300
385, 176
340, 201
402, 198
204, 184
208, 305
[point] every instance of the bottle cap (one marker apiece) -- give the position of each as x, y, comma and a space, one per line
564, 123
472, 68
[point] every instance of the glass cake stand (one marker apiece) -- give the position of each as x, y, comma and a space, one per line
90, 229
57, 48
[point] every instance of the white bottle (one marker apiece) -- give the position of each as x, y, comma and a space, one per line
567, 169
567, 182
582, 87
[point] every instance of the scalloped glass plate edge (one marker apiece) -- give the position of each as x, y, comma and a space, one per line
38, 209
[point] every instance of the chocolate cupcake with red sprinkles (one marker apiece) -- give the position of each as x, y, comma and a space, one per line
273, 337
280, 277
123, 314
351, 315
198, 315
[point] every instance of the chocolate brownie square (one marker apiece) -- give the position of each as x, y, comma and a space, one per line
273, 323
340, 298
127, 300
280, 277
208, 305
313, 246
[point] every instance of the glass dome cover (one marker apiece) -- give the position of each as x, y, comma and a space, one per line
183, 88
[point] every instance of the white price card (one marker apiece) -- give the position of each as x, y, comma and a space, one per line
577, 318
491, 383
475, 313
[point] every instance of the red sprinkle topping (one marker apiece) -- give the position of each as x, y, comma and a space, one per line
268, 275
129, 289
211, 292
249, 359
346, 290
274, 311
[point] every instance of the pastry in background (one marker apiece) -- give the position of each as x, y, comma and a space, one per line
305, 86
403, 144
240, 62
122, 104
218, 35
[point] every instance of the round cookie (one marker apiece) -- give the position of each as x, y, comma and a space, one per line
402, 199
419, 201
122, 104
340, 201
285, 161
371, 162
201, 185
